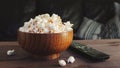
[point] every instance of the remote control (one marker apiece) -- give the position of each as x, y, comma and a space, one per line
88, 52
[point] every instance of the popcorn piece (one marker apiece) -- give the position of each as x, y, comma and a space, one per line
11, 52
46, 24
45, 30
71, 59
62, 63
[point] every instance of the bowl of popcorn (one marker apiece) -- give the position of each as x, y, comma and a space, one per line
45, 36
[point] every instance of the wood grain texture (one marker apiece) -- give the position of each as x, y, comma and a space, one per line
45, 44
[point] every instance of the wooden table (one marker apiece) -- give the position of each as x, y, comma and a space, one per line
23, 59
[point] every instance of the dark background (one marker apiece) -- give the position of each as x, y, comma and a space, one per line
13, 13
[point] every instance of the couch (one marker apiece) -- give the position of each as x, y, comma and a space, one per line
92, 19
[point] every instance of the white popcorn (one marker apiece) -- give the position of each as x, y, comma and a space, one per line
68, 24
46, 24
62, 63
45, 30
41, 25
71, 59
10, 52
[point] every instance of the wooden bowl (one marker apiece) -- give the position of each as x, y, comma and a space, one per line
48, 46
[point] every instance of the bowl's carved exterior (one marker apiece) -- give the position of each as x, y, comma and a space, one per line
45, 44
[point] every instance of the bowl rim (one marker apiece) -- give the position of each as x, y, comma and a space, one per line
45, 33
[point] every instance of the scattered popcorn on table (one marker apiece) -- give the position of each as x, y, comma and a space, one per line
62, 63
10, 52
46, 24
71, 59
